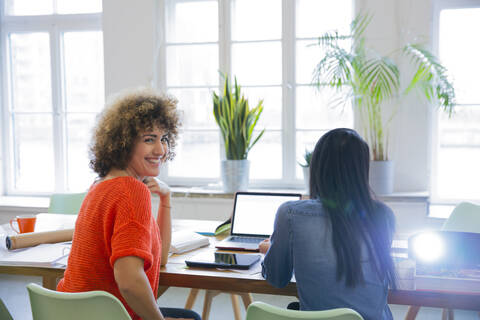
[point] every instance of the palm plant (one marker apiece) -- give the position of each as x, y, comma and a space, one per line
236, 121
372, 80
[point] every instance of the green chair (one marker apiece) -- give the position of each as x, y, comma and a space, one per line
93, 305
263, 311
464, 218
4, 313
67, 203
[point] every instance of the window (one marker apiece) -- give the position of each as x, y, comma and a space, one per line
456, 173
53, 88
267, 45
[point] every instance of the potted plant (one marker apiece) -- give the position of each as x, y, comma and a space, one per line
237, 122
372, 81
307, 158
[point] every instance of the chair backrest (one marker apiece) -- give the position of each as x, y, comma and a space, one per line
68, 203
4, 313
464, 218
93, 305
263, 311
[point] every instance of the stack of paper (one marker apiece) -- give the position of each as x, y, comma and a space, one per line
459, 280
44, 255
184, 240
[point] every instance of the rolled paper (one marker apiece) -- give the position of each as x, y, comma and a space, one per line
31, 239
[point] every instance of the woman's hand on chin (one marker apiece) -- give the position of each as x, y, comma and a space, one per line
157, 187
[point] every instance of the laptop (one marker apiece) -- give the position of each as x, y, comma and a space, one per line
253, 218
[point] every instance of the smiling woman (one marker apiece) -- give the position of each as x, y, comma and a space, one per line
135, 134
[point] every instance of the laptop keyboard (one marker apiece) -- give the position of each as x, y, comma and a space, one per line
246, 239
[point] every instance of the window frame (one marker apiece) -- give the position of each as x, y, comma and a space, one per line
438, 6
55, 25
288, 85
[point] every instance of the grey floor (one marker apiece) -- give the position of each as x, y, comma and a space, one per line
15, 297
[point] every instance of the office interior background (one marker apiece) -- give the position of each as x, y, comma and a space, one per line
61, 60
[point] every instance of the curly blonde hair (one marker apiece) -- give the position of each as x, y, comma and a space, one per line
123, 120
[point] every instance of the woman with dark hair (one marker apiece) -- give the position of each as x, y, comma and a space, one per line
337, 243
118, 246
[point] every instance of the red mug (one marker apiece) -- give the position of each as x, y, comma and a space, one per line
25, 224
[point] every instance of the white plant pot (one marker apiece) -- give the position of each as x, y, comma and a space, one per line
235, 175
381, 177
306, 178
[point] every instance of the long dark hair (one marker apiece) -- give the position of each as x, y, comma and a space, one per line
339, 179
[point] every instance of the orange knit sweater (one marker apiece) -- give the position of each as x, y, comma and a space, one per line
115, 221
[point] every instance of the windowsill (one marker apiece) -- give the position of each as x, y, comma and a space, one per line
201, 192
209, 192
40, 203
440, 211
16, 203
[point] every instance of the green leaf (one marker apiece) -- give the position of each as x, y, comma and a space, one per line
236, 120
371, 79
430, 77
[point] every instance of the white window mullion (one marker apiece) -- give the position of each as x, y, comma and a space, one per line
68, 22
160, 74
288, 90
435, 136
58, 110
4, 114
7, 121
225, 51
225, 37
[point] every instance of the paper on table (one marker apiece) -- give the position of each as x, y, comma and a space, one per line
45, 255
185, 240
62, 262
254, 269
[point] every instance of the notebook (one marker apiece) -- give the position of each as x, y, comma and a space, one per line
186, 240
253, 218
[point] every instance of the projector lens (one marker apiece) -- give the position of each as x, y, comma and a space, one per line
428, 247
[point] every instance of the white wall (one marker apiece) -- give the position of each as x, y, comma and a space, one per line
129, 42
394, 24
413, 128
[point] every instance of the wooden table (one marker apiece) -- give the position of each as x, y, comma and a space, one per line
176, 275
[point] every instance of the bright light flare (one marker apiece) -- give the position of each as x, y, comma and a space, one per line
428, 247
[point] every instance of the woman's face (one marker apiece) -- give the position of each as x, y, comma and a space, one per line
148, 153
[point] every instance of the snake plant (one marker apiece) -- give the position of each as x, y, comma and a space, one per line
371, 80
236, 121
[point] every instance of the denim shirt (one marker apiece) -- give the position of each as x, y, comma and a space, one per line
301, 244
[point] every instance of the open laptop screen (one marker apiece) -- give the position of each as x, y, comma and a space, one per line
254, 213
